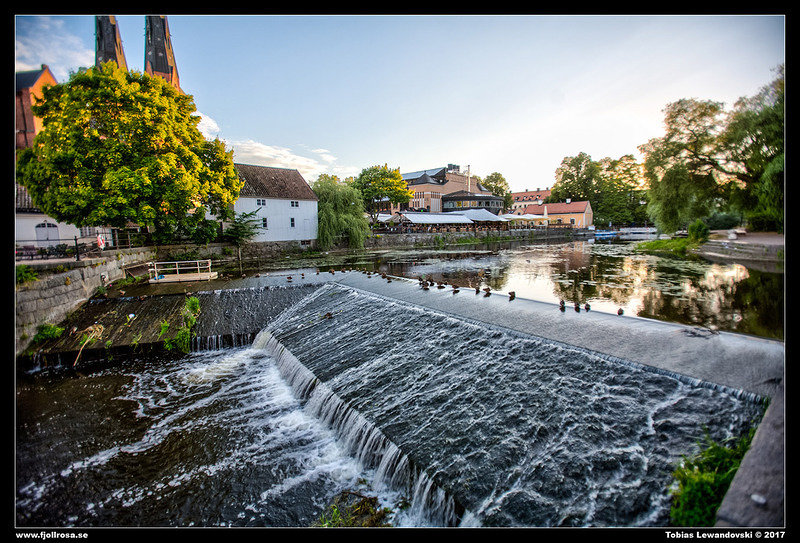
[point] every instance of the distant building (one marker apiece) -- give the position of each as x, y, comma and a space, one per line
462, 201
578, 214
29, 87
430, 186
108, 43
285, 205
159, 59
526, 197
32, 227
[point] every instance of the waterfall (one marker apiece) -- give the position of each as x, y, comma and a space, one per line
393, 468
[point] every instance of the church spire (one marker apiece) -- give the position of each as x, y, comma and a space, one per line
159, 59
108, 44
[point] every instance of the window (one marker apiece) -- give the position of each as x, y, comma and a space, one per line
264, 222
295, 204
291, 222
261, 202
572, 221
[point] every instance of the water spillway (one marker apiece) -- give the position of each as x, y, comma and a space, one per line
500, 427
479, 410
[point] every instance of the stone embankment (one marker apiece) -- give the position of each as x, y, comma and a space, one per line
751, 248
51, 299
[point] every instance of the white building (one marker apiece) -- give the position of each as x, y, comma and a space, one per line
285, 205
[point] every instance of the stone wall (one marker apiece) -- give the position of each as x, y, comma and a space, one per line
51, 298
424, 239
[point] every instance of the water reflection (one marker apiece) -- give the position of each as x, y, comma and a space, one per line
608, 276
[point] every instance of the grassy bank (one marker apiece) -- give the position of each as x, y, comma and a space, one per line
668, 247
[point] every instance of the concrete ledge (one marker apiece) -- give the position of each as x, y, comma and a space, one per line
756, 495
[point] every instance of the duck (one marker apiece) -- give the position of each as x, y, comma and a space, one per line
511, 295
587, 307
620, 311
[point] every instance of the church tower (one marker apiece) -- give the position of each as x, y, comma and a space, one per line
108, 45
159, 59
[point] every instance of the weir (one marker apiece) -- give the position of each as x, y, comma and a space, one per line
486, 414
483, 409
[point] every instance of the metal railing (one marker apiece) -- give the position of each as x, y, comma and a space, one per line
45, 249
158, 270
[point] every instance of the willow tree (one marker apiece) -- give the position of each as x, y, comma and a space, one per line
710, 159
118, 147
340, 213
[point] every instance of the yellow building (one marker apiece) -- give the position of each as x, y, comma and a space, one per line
577, 214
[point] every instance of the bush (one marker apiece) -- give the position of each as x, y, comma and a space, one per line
703, 481
698, 231
764, 221
723, 221
47, 332
25, 273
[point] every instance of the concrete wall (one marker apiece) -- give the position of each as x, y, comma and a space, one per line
51, 298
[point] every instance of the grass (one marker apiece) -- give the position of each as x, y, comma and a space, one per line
703, 479
353, 510
670, 247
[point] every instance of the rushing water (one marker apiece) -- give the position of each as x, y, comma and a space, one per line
215, 439
346, 390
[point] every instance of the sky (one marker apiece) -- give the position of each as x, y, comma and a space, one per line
513, 94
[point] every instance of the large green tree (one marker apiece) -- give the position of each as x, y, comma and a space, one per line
710, 159
498, 186
612, 187
378, 184
340, 213
119, 147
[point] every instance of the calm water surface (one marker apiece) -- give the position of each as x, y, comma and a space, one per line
608, 276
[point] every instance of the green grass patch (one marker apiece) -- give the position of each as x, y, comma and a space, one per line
46, 332
353, 510
703, 479
670, 247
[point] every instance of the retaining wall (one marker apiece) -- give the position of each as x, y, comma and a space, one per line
51, 299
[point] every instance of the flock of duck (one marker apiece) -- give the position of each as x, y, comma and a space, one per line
427, 285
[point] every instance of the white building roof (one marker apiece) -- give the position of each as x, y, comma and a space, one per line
434, 218
478, 215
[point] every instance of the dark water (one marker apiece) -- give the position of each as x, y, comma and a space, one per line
215, 439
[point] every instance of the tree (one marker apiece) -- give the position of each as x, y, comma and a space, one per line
119, 147
717, 159
612, 186
340, 213
378, 184
498, 186
754, 137
576, 178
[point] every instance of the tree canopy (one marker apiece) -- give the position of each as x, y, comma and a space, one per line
498, 186
119, 147
340, 213
710, 159
613, 187
379, 183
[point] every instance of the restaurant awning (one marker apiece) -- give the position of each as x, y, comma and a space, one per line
415, 217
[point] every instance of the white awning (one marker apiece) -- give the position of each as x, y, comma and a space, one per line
479, 215
434, 218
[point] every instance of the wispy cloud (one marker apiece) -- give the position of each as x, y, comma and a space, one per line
254, 152
46, 40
